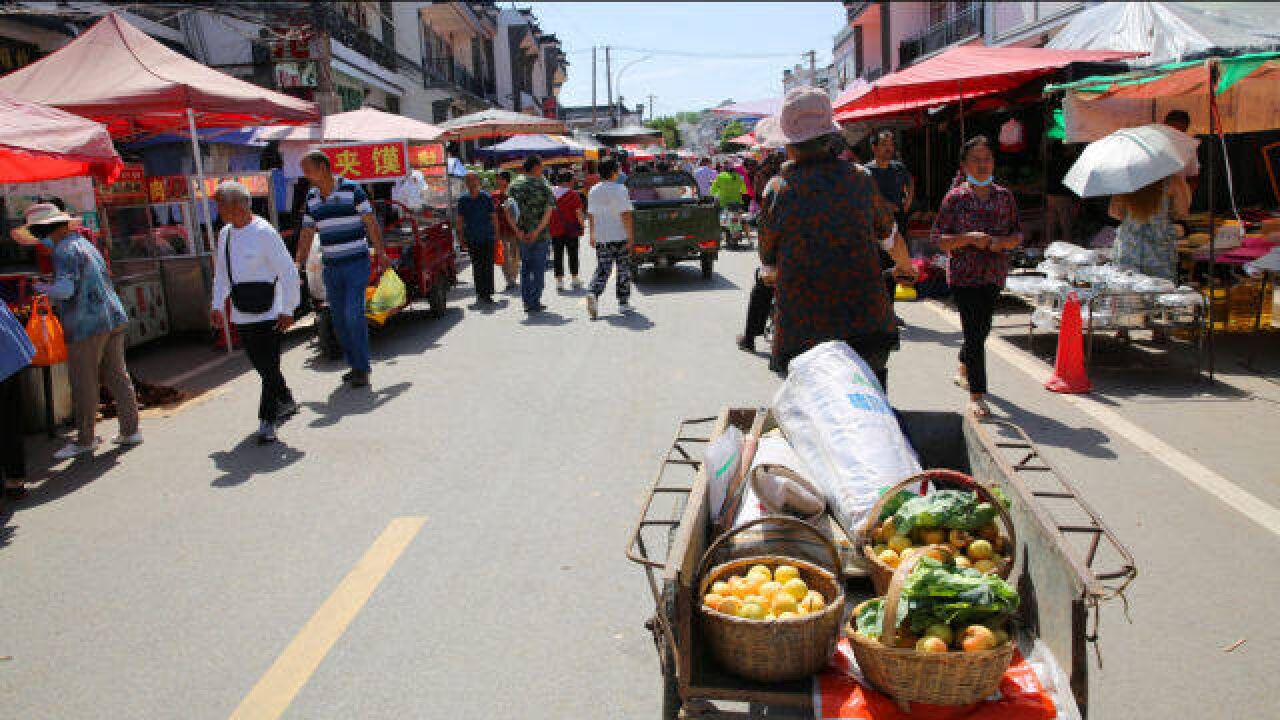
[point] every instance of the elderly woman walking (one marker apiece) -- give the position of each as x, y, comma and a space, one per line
253, 268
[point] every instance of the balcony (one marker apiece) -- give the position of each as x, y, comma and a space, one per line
447, 72
959, 27
359, 40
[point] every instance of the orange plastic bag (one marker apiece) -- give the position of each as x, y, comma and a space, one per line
46, 333
499, 252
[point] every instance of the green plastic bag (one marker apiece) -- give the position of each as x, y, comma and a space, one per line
389, 296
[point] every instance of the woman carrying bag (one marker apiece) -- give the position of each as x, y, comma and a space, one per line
16, 352
253, 268
93, 324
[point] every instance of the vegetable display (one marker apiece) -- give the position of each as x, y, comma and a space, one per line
944, 607
948, 525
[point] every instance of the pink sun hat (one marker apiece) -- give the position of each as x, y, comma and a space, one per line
806, 114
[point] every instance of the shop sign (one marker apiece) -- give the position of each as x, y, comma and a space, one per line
295, 75
430, 159
129, 189
257, 184
166, 188
297, 47
369, 162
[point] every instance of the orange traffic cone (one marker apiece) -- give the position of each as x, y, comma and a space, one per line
1068, 370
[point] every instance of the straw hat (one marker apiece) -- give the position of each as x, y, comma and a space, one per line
806, 114
45, 214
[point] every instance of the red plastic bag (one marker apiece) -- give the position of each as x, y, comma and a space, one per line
46, 334
499, 252
839, 696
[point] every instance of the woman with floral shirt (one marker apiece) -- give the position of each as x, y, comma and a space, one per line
977, 226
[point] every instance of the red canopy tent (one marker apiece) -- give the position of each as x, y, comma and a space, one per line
118, 75
962, 73
43, 143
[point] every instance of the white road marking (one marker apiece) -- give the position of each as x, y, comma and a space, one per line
1235, 497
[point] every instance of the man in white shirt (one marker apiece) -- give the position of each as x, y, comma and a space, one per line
704, 175
612, 235
253, 268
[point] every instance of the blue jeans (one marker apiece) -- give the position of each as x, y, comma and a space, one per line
533, 272
344, 284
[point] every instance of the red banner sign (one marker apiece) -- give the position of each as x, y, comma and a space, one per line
430, 159
167, 188
369, 162
128, 189
257, 185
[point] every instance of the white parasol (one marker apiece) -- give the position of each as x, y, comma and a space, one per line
1130, 159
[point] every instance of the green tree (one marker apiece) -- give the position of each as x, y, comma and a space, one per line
730, 131
670, 131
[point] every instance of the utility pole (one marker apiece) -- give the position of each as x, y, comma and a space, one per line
608, 86
593, 86
813, 67
326, 96
650, 107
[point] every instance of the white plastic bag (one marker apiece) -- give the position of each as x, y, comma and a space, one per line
836, 416
722, 461
772, 449
315, 270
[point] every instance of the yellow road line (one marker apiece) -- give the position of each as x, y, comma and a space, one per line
1237, 498
280, 684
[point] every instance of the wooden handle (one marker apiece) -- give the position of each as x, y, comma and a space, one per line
889, 606
873, 517
781, 520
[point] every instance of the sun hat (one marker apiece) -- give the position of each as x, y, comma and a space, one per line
45, 214
806, 114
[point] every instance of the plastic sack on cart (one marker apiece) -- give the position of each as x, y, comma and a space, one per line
1082, 256
1052, 270
1024, 284
844, 432
722, 460
1146, 283
315, 270
1044, 318
386, 298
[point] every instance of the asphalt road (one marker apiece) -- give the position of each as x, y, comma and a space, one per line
166, 581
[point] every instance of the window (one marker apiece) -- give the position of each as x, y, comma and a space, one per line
393, 104
857, 51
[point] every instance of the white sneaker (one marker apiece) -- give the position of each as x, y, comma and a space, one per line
74, 450
592, 308
134, 439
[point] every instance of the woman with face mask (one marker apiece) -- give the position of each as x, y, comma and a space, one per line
977, 225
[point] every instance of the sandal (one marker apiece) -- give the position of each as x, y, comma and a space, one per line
979, 408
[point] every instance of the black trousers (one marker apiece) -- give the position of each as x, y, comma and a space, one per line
262, 345
977, 306
567, 245
759, 305
13, 457
481, 252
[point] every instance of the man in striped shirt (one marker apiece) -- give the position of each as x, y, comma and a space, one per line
339, 210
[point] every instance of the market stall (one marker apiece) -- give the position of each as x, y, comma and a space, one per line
1222, 96
118, 75
553, 150
45, 152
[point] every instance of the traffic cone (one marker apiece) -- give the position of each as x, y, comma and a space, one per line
1068, 370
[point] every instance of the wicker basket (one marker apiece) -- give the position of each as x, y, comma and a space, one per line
773, 650
881, 573
950, 678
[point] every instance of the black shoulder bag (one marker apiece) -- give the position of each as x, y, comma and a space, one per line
251, 298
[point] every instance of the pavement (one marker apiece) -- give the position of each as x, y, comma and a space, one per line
449, 543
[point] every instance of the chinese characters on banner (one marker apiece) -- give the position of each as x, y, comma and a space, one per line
369, 162
128, 189
429, 158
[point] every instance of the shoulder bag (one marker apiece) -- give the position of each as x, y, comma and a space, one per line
251, 298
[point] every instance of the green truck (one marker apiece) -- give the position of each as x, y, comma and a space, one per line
672, 223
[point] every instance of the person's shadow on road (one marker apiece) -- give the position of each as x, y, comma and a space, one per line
1045, 430
345, 401
546, 317
248, 458
634, 320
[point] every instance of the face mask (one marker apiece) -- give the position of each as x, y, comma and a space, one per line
984, 183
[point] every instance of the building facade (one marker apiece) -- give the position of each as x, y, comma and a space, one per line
803, 76
428, 60
599, 119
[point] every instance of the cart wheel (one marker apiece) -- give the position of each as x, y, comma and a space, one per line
325, 335
437, 298
708, 266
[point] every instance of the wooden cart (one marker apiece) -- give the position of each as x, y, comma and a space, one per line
1069, 560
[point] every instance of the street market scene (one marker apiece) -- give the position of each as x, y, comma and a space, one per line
870, 360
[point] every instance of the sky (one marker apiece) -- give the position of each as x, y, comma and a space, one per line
701, 53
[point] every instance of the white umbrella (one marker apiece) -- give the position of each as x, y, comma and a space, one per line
1129, 159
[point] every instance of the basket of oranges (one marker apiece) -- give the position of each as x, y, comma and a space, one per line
950, 524
771, 618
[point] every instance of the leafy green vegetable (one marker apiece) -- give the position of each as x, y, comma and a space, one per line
895, 502
938, 593
957, 509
